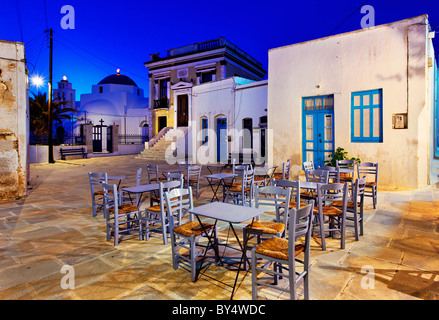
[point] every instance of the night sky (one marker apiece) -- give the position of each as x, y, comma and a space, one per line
121, 34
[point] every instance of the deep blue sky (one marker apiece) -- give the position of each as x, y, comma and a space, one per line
121, 34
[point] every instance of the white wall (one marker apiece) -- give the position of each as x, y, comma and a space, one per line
374, 58
232, 100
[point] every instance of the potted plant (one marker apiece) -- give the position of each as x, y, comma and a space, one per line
339, 154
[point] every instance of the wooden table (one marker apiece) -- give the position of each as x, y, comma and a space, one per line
218, 179
140, 190
117, 177
232, 214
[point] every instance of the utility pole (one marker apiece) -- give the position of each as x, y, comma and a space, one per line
51, 160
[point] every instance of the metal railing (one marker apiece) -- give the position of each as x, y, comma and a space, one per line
132, 139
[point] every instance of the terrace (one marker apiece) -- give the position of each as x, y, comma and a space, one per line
54, 227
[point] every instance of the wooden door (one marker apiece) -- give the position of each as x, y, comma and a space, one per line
318, 129
97, 139
182, 111
221, 133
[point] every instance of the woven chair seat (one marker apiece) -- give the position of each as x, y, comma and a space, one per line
193, 228
101, 192
308, 194
238, 189
328, 211
277, 248
126, 208
157, 198
277, 176
293, 204
371, 184
260, 178
269, 227
340, 204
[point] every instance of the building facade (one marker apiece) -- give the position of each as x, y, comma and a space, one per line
369, 91
172, 78
116, 103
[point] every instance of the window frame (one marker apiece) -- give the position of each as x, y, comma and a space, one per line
204, 131
372, 108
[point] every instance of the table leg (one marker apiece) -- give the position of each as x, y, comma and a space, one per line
244, 256
215, 246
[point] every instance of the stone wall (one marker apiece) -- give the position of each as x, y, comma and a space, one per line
14, 121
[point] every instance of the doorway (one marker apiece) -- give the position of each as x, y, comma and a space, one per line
318, 129
162, 122
182, 110
221, 134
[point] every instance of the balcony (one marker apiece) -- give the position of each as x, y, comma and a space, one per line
161, 103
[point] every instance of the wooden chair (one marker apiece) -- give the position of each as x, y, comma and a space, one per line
369, 169
242, 191
192, 177
295, 201
308, 165
319, 176
155, 215
97, 194
152, 171
347, 164
118, 214
178, 202
285, 171
355, 206
335, 217
277, 199
286, 252
333, 174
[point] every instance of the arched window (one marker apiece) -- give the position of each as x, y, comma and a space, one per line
204, 129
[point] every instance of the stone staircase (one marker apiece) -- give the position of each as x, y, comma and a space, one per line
160, 147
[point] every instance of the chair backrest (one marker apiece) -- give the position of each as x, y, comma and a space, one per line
111, 199
321, 176
333, 173
327, 193
349, 164
138, 177
294, 186
286, 169
193, 171
175, 176
96, 179
178, 202
308, 165
153, 173
237, 169
300, 224
273, 196
358, 189
368, 169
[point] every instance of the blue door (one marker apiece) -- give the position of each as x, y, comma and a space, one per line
221, 146
318, 129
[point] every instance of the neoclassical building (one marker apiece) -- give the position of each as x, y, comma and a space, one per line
172, 77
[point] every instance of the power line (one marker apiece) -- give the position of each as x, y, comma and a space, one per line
104, 60
348, 17
88, 60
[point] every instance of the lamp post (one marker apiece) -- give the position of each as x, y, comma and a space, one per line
51, 160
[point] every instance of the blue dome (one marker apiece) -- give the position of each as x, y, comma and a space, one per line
118, 79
